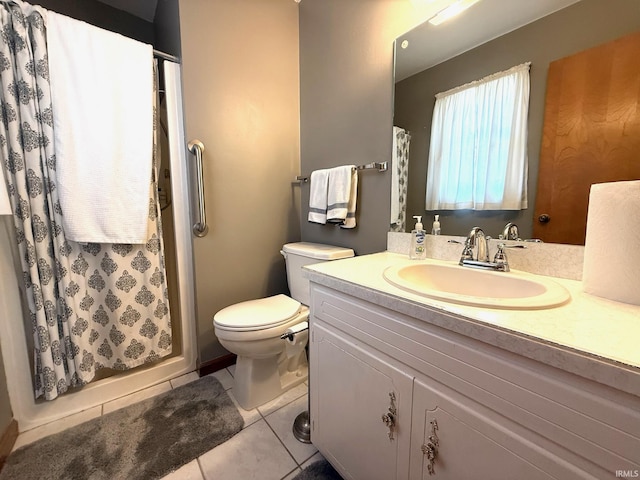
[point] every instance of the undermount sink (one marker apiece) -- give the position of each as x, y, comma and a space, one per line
484, 288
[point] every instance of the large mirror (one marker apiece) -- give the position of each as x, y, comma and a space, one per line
493, 35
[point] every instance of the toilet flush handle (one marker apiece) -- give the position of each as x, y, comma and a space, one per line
282, 252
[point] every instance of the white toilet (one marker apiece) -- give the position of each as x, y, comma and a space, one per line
252, 330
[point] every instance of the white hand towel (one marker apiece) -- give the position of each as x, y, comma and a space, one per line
339, 193
5, 205
318, 196
350, 221
101, 88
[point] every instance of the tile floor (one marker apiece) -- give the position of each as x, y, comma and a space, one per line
264, 450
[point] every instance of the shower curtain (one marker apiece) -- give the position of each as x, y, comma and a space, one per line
91, 306
399, 179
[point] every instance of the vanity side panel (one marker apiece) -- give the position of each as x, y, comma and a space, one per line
591, 425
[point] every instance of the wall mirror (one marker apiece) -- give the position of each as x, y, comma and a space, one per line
491, 36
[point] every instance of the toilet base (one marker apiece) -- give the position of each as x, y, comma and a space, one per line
258, 381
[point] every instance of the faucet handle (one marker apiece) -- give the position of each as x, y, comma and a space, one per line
467, 251
500, 258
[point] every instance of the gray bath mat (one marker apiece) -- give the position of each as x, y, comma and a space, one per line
143, 441
320, 470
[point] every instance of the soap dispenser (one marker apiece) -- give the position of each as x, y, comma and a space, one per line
435, 229
418, 251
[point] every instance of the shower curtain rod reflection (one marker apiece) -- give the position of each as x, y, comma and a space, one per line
165, 56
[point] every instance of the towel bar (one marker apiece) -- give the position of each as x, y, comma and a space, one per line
380, 166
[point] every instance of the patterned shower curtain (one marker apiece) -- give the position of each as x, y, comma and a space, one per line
400, 179
91, 306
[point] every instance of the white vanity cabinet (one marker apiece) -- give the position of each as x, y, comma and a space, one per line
356, 388
498, 415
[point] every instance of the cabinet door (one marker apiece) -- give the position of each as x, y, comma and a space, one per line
351, 390
456, 439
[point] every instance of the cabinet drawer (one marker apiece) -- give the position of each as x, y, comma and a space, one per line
591, 426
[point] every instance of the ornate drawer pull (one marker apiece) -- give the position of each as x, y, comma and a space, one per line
431, 448
389, 419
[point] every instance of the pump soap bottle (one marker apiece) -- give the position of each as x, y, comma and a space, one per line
435, 229
418, 251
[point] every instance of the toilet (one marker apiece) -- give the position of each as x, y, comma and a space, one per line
266, 367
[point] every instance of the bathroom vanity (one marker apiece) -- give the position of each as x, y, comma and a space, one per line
404, 386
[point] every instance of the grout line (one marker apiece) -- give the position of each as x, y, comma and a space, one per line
282, 443
297, 468
200, 466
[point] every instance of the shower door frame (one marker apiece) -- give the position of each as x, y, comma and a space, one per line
31, 414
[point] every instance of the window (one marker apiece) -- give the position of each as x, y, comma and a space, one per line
478, 151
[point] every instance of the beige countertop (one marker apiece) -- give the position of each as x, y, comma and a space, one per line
593, 337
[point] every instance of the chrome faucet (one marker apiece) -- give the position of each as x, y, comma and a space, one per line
510, 232
477, 238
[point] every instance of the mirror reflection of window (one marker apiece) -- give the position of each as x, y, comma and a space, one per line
478, 149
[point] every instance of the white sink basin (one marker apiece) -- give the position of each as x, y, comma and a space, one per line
484, 288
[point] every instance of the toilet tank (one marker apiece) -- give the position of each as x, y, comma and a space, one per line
299, 254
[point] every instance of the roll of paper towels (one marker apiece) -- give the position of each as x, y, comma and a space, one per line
612, 245
297, 337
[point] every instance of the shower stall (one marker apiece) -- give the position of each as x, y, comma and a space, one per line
174, 196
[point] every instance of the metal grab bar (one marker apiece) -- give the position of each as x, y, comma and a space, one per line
200, 228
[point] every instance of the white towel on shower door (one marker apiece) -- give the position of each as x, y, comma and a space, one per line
101, 89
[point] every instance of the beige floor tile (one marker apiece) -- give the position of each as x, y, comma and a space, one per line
136, 397
253, 454
249, 416
184, 379
281, 421
284, 399
232, 370
58, 426
224, 377
190, 471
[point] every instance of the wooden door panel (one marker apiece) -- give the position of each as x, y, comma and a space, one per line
591, 134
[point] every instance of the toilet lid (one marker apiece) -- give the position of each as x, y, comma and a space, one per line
258, 314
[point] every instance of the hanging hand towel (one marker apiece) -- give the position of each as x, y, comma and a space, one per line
350, 221
318, 196
340, 192
5, 205
101, 89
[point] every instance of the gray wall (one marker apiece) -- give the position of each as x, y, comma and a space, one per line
346, 86
104, 16
166, 25
581, 26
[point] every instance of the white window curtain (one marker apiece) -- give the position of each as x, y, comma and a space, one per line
478, 150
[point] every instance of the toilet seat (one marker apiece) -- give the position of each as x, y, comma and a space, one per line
255, 315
